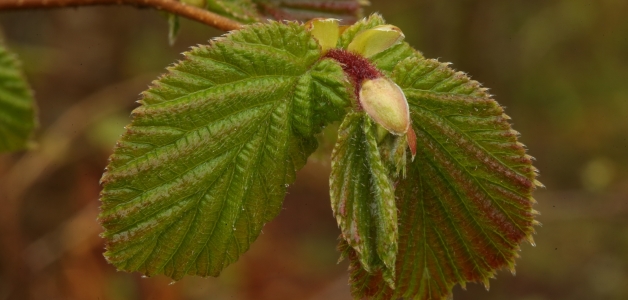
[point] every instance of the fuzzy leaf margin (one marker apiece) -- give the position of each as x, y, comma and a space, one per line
466, 204
17, 106
207, 158
362, 196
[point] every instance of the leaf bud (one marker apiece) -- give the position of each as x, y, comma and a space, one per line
386, 103
375, 40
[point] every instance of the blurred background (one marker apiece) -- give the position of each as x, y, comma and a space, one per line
560, 67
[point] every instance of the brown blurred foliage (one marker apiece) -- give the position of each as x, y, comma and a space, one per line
560, 67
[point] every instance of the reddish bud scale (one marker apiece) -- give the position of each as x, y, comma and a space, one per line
356, 67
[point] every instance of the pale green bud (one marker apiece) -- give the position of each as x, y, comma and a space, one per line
375, 40
325, 31
386, 103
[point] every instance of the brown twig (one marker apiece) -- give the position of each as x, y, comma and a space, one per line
171, 6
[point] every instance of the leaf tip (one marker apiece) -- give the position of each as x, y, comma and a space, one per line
411, 137
487, 284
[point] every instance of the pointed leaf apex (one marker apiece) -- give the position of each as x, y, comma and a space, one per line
411, 136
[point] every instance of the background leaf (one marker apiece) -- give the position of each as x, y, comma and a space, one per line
209, 154
465, 205
348, 11
173, 28
251, 11
362, 196
17, 111
239, 10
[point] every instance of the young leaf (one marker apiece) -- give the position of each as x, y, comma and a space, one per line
207, 158
17, 107
352, 31
466, 204
362, 196
375, 40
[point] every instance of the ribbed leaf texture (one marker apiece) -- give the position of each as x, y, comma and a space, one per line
362, 196
207, 158
17, 107
209, 154
465, 205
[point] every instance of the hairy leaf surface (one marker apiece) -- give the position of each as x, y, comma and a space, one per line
362, 196
17, 111
465, 205
209, 154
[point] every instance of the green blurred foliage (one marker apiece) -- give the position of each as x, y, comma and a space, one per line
560, 67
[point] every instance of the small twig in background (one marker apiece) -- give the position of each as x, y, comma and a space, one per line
171, 6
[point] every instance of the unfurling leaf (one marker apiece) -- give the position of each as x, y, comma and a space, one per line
17, 107
206, 161
375, 40
325, 31
362, 196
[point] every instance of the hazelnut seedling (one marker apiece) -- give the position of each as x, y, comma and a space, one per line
376, 94
210, 152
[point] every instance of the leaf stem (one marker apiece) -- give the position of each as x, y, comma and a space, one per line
171, 6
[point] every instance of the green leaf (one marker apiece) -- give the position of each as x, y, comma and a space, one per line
362, 196
465, 205
207, 158
385, 60
350, 33
254, 11
17, 107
